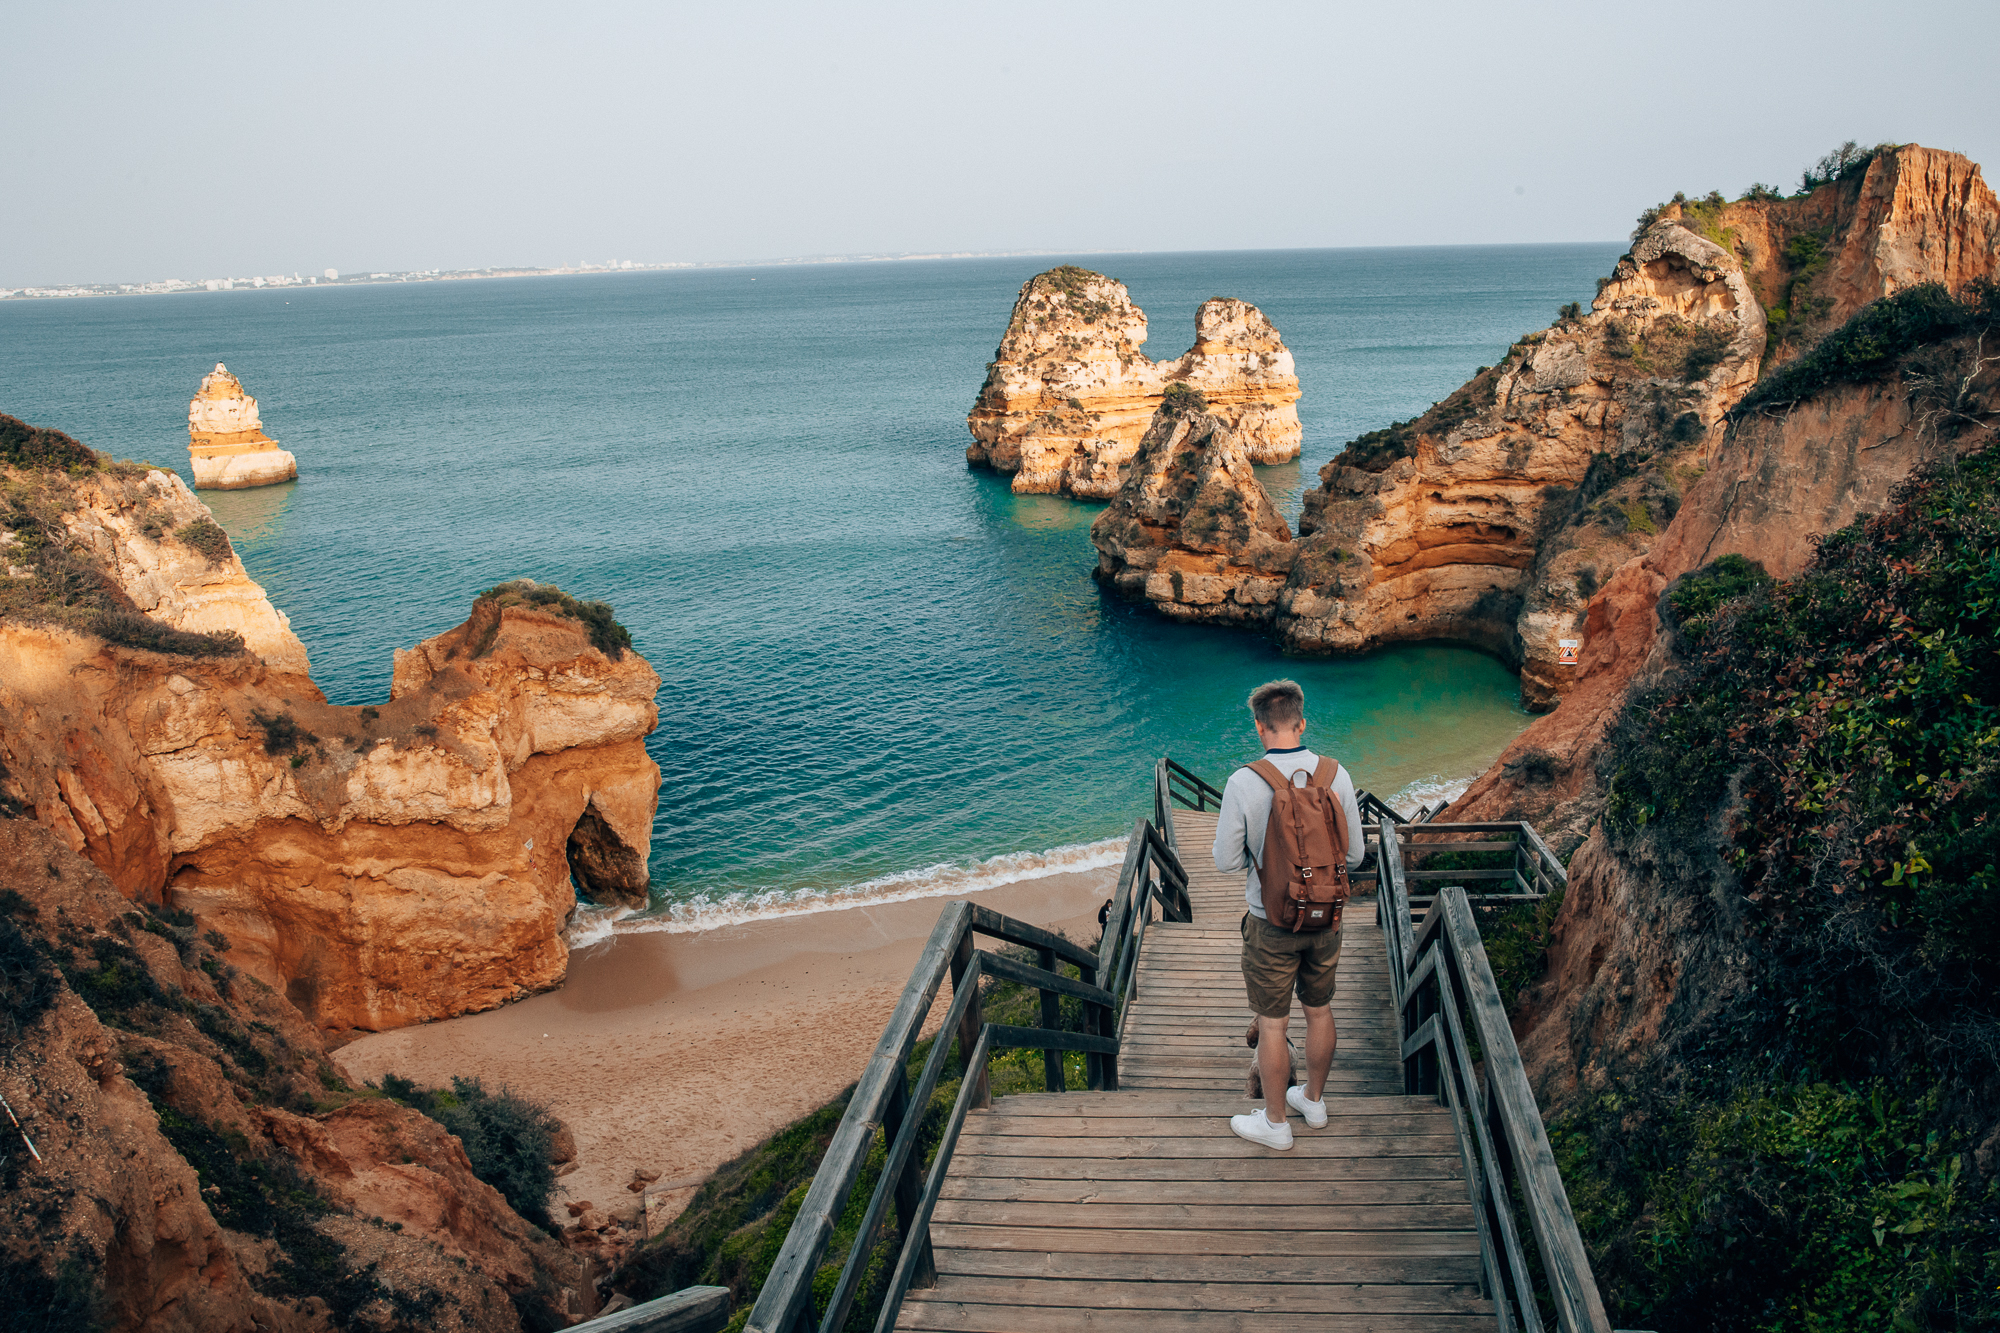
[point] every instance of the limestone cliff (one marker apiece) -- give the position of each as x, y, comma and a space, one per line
1489, 519
1192, 530
226, 439
1497, 516
1778, 482
202, 1168
1069, 394
379, 865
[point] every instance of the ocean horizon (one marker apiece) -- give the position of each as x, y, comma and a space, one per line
883, 675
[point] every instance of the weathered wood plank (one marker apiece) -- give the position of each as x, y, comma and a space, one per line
1426, 1269
1117, 1103
1268, 1167
1252, 1216
1382, 1126
955, 1317
1253, 1242
1279, 1193
1248, 1297
1303, 1146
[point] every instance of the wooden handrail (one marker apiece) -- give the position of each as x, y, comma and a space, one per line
883, 1100
1435, 969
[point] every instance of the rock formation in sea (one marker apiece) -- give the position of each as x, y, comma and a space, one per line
379, 865
1192, 530
1497, 517
226, 439
1069, 392
202, 1164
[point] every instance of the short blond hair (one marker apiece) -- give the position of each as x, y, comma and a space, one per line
1278, 703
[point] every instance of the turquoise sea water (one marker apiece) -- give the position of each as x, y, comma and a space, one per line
881, 671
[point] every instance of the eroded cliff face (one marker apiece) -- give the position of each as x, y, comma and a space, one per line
1776, 484
134, 1041
1192, 530
378, 865
159, 546
1497, 517
1488, 519
226, 440
1069, 392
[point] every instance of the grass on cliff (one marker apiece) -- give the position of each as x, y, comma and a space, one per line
507, 1137
606, 634
1815, 1169
1878, 340
62, 582
732, 1230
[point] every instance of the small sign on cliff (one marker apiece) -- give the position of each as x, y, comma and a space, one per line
1566, 651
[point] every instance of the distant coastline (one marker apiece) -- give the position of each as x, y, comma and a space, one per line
331, 278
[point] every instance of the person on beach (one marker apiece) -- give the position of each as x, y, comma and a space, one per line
1278, 962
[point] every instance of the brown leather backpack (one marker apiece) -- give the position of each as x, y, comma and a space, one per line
1304, 871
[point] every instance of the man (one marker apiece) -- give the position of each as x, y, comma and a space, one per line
1277, 962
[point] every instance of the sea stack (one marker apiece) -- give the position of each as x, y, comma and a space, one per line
226, 440
1192, 530
1069, 394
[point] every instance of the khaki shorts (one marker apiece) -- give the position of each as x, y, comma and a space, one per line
1276, 961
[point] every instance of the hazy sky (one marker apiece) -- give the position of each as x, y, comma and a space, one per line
196, 140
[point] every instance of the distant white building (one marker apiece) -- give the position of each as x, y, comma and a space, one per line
332, 273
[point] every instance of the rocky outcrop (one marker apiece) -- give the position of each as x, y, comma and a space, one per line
379, 865
1069, 394
159, 546
1192, 530
1496, 517
226, 439
1778, 482
201, 1164
1489, 519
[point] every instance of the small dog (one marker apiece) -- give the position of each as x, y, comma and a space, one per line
1255, 1089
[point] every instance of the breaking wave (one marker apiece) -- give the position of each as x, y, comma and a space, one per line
946, 879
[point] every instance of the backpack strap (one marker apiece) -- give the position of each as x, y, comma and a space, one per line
1328, 770
1268, 771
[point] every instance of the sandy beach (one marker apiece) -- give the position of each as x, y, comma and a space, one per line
676, 1052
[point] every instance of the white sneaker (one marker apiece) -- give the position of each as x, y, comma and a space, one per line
1314, 1112
1257, 1128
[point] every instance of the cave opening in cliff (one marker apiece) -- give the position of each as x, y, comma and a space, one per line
606, 869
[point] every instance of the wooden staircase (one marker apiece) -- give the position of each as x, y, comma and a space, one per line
1138, 1209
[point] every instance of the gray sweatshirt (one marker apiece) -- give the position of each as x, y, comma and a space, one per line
1246, 810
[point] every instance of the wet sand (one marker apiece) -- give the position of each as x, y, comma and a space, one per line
676, 1052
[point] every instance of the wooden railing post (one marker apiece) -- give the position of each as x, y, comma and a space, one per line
909, 1183
969, 1026
1052, 1061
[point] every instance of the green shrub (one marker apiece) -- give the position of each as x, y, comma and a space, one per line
1182, 400
69, 1300
135, 630
606, 634
1856, 709
1870, 345
25, 446
1767, 1205
507, 1137
1694, 598
1847, 162
282, 732
206, 539
1570, 310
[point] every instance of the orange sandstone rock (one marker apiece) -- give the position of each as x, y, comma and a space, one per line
1069, 394
1192, 530
381, 865
226, 439
1497, 517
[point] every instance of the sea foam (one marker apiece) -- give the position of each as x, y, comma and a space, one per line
946, 879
